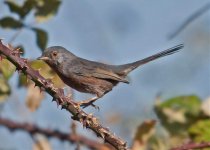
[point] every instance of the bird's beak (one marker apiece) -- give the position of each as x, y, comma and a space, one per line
43, 58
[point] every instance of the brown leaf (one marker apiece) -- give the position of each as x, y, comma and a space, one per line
143, 133
42, 144
34, 97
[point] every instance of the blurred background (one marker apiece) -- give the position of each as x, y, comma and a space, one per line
113, 32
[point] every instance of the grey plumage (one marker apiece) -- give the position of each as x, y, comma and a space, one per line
90, 76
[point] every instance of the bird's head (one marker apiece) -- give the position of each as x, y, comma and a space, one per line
56, 55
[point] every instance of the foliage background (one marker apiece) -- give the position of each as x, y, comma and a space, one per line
116, 32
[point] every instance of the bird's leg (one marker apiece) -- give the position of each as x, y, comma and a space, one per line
89, 102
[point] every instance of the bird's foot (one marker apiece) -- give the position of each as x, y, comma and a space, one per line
88, 102
84, 105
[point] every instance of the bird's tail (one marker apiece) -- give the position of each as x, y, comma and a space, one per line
126, 68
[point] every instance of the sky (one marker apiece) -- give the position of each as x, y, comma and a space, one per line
119, 32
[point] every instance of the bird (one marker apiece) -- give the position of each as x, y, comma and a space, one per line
93, 77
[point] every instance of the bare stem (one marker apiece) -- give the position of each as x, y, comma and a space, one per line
191, 18
191, 146
33, 129
13, 38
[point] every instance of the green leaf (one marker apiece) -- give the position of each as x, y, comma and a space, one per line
179, 113
200, 131
22, 80
9, 22
45, 9
191, 104
4, 89
6, 68
23, 10
41, 38
28, 6
13, 7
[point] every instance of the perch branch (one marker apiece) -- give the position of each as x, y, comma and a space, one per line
88, 121
71, 137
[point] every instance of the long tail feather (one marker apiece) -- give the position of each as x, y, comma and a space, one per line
131, 66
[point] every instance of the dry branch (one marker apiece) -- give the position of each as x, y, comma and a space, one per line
88, 121
192, 146
71, 137
190, 19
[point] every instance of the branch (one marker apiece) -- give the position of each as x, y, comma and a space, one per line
87, 120
189, 20
191, 146
33, 129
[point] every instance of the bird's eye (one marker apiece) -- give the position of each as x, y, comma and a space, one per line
54, 53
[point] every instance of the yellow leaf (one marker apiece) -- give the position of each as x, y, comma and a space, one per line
47, 72
4, 89
6, 68
34, 97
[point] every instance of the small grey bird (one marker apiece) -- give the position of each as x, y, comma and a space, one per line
90, 76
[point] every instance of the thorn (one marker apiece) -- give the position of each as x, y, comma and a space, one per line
63, 107
36, 72
1, 39
29, 77
57, 102
69, 96
19, 71
25, 60
60, 92
90, 115
18, 50
103, 136
53, 99
42, 89
10, 46
35, 85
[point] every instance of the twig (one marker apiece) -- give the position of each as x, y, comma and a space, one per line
33, 129
191, 146
15, 35
189, 20
88, 121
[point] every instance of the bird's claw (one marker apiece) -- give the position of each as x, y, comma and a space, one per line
86, 104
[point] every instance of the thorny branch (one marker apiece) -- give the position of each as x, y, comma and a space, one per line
87, 120
189, 20
191, 146
71, 137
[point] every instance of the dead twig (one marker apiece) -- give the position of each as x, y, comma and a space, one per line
192, 146
33, 129
190, 19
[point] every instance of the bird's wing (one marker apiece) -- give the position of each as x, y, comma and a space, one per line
97, 71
